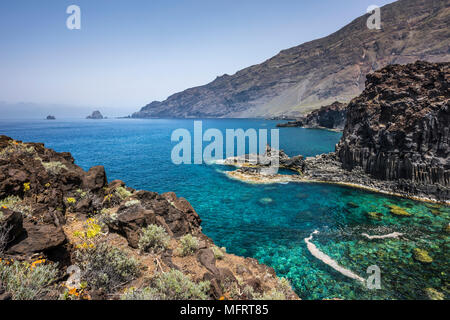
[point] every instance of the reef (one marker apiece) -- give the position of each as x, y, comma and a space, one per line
126, 244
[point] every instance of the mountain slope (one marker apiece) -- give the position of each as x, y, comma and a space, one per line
322, 71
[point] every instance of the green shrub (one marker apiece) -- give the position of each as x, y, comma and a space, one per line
219, 253
27, 282
132, 203
17, 149
139, 294
154, 239
106, 267
10, 202
122, 193
274, 294
172, 285
15, 203
281, 292
4, 235
189, 245
54, 167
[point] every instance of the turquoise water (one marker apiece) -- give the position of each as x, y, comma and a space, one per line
240, 217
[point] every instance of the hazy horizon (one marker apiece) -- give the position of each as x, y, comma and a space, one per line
130, 53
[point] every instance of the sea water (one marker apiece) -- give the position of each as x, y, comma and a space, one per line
269, 222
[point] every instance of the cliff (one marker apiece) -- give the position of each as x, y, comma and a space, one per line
128, 244
317, 73
327, 117
398, 128
396, 139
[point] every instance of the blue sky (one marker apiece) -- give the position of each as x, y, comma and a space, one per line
131, 52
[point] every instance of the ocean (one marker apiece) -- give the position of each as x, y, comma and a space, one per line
269, 222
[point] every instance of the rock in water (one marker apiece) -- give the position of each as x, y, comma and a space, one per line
399, 128
51, 118
95, 115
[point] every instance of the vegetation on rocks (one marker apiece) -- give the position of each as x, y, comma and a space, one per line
154, 239
25, 281
66, 214
172, 285
106, 267
54, 167
189, 245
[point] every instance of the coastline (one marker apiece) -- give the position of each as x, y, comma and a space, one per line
287, 179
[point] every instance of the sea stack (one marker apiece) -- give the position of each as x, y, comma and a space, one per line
95, 115
398, 128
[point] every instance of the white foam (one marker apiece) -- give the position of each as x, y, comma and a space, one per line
386, 236
328, 260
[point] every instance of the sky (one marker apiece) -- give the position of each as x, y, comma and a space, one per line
131, 52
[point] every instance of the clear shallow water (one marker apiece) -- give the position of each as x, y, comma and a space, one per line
240, 217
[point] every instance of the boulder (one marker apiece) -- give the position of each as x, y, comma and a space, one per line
13, 222
95, 179
38, 237
131, 221
207, 259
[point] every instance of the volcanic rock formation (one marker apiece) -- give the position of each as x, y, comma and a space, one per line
327, 117
53, 212
398, 128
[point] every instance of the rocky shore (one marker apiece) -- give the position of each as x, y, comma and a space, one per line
56, 218
330, 117
396, 138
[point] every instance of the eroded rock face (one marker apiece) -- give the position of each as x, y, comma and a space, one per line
38, 237
332, 116
398, 128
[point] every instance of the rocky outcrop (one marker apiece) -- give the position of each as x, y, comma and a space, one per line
256, 163
96, 115
52, 211
51, 118
396, 139
332, 116
398, 129
316, 73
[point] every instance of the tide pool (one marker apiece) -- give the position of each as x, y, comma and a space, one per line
269, 222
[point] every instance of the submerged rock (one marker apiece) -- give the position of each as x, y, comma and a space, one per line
447, 228
374, 215
352, 205
265, 201
398, 211
422, 255
433, 294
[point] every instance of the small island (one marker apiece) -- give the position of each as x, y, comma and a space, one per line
50, 118
96, 115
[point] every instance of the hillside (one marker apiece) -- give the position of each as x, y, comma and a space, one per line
322, 71
121, 243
